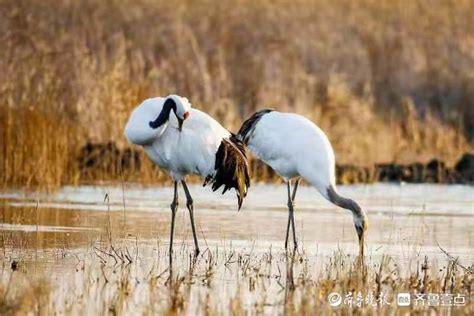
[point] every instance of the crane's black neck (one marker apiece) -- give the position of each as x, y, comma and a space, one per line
164, 114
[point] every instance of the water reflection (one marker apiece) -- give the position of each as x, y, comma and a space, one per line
404, 219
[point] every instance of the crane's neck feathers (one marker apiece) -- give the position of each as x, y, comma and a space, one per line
164, 115
359, 216
248, 127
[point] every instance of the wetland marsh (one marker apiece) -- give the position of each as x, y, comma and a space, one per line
104, 249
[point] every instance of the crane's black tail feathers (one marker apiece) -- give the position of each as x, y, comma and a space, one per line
231, 168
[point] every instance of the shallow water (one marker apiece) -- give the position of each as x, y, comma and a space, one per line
402, 217
57, 232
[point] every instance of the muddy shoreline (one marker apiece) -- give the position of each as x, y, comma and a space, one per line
95, 159
435, 171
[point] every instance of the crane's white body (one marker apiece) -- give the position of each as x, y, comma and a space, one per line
294, 147
185, 141
191, 151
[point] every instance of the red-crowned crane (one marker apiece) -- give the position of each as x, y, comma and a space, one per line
296, 148
183, 141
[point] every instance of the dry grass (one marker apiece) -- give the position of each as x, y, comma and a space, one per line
225, 281
387, 81
120, 268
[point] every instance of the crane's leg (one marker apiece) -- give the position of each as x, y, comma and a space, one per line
189, 204
174, 208
291, 218
293, 196
289, 221
295, 242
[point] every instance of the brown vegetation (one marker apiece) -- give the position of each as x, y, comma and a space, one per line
81, 261
99, 282
388, 81
97, 161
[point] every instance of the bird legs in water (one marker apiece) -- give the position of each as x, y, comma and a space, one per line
291, 217
189, 204
174, 208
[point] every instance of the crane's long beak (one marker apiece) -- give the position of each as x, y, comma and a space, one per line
181, 121
361, 227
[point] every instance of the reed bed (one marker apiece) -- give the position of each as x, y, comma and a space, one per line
136, 278
54, 261
388, 81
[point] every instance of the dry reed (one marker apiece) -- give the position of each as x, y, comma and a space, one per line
388, 81
254, 283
